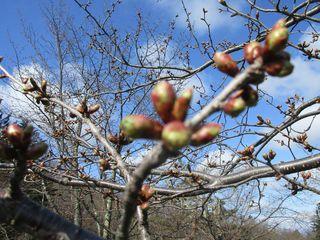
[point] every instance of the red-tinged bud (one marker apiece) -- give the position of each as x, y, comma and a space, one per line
43, 85
14, 133
140, 126
176, 135
92, 109
252, 51
81, 108
234, 106
277, 39
144, 196
181, 105
279, 68
163, 98
250, 96
36, 151
104, 164
226, 64
205, 134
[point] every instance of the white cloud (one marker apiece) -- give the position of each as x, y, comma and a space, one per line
195, 7
217, 157
304, 80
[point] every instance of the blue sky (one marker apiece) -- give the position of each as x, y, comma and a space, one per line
302, 81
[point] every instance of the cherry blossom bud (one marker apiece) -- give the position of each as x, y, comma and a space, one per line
43, 85
277, 39
104, 164
176, 135
205, 134
92, 109
14, 133
140, 126
163, 98
252, 51
226, 64
234, 106
181, 105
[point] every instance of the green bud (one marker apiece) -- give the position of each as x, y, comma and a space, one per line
140, 126
277, 39
175, 135
181, 105
234, 106
163, 98
205, 134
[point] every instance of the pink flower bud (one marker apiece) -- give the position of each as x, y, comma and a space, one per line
225, 63
205, 134
163, 98
140, 126
181, 105
252, 51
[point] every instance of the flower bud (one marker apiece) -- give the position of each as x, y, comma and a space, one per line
225, 63
140, 126
234, 106
181, 105
36, 151
279, 68
43, 85
250, 96
144, 196
92, 109
14, 133
163, 98
81, 108
205, 134
104, 164
175, 135
277, 39
27, 134
252, 51
256, 77
33, 83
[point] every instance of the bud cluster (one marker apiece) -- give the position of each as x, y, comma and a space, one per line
173, 111
30, 86
276, 62
85, 110
19, 139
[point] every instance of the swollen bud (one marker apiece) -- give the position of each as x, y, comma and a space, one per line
104, 164
92, 109
205, 134
250, 96
140, 126
277, 39
36, 151
27, 134
279, 68
234, 106
175, 135
225, 63
43, 85
144, 196
281, 23
163, 98
181, 105
252, 51
14, 133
